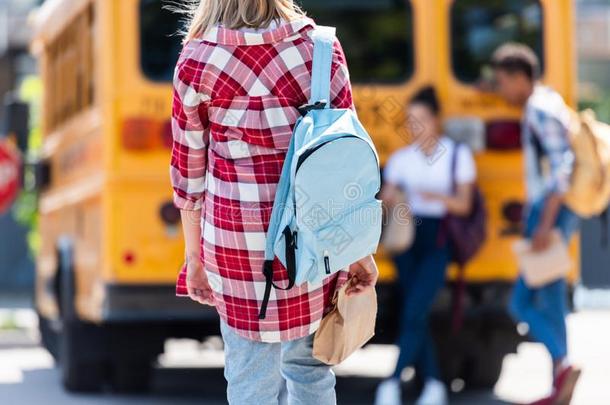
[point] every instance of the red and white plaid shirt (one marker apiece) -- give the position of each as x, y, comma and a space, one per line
236, 95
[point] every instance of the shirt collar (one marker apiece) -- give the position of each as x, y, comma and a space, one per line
285, 31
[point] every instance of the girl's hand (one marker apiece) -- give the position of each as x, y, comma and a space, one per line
197, 284
541, 239
428, 196
364, 276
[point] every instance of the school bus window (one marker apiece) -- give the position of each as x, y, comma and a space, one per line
376, 35
478, 27
69, 71
159, 42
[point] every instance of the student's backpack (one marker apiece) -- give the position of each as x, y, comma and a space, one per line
589, 191
325, 215
465, 236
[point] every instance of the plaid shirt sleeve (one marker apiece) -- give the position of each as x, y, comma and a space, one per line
553, 138
190, 130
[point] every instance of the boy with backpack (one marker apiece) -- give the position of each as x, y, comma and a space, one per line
549, 166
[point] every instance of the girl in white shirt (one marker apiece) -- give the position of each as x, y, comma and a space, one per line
423, 172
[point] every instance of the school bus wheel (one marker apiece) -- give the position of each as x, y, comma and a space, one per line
482, 366
81, 360
475, 354
48, 336
133, 348
92, 355
81, 352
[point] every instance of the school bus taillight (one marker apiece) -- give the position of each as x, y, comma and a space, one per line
144, 133
503, 135
512, 211
129, 257
166, 134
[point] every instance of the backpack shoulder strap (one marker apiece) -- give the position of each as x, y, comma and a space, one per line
454, 163
324, 38
280, 202
279, 205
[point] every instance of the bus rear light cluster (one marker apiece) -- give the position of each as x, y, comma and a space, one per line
503, 135
140, 133
129, 257
512, 211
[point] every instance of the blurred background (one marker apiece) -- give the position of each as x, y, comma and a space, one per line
90, 243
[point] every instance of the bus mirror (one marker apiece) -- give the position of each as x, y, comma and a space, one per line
42, 173
16, 117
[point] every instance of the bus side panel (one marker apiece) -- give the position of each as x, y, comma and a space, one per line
146, 251
88, 259
46, 267
79, 225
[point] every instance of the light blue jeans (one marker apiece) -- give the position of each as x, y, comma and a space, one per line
260, 373
544, 309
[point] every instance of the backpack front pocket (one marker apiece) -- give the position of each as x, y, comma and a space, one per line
347, 238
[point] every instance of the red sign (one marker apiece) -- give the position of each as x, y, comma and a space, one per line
10, 167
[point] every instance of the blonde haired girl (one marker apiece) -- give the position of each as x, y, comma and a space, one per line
236, 14
244, 69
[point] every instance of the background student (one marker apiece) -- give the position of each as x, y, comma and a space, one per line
423, 171
544, 137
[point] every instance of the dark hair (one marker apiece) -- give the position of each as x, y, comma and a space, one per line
516, 58
427, 96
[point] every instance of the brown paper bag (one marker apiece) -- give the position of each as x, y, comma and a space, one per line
347, 327
542, 268
399, 232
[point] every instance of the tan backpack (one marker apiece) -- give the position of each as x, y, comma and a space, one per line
589, 192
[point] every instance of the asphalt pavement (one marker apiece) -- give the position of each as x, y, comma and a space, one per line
190, 372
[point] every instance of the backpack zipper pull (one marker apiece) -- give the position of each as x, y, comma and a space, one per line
326, 262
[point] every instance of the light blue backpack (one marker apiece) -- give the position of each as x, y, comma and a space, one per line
325, 215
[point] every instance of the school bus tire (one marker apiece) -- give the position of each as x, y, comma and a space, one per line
132, 375
48, 336
475, 360
484, 366
475, 354
487, 372
82, 361
133, 351
82, 352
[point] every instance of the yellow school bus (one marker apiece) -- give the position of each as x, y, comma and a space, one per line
111, 238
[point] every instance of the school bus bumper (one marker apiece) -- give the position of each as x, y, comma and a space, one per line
130, 303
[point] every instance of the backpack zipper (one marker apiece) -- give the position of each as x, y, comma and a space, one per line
309, 152
326, 262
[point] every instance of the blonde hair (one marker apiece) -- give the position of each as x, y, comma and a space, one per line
201, 15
